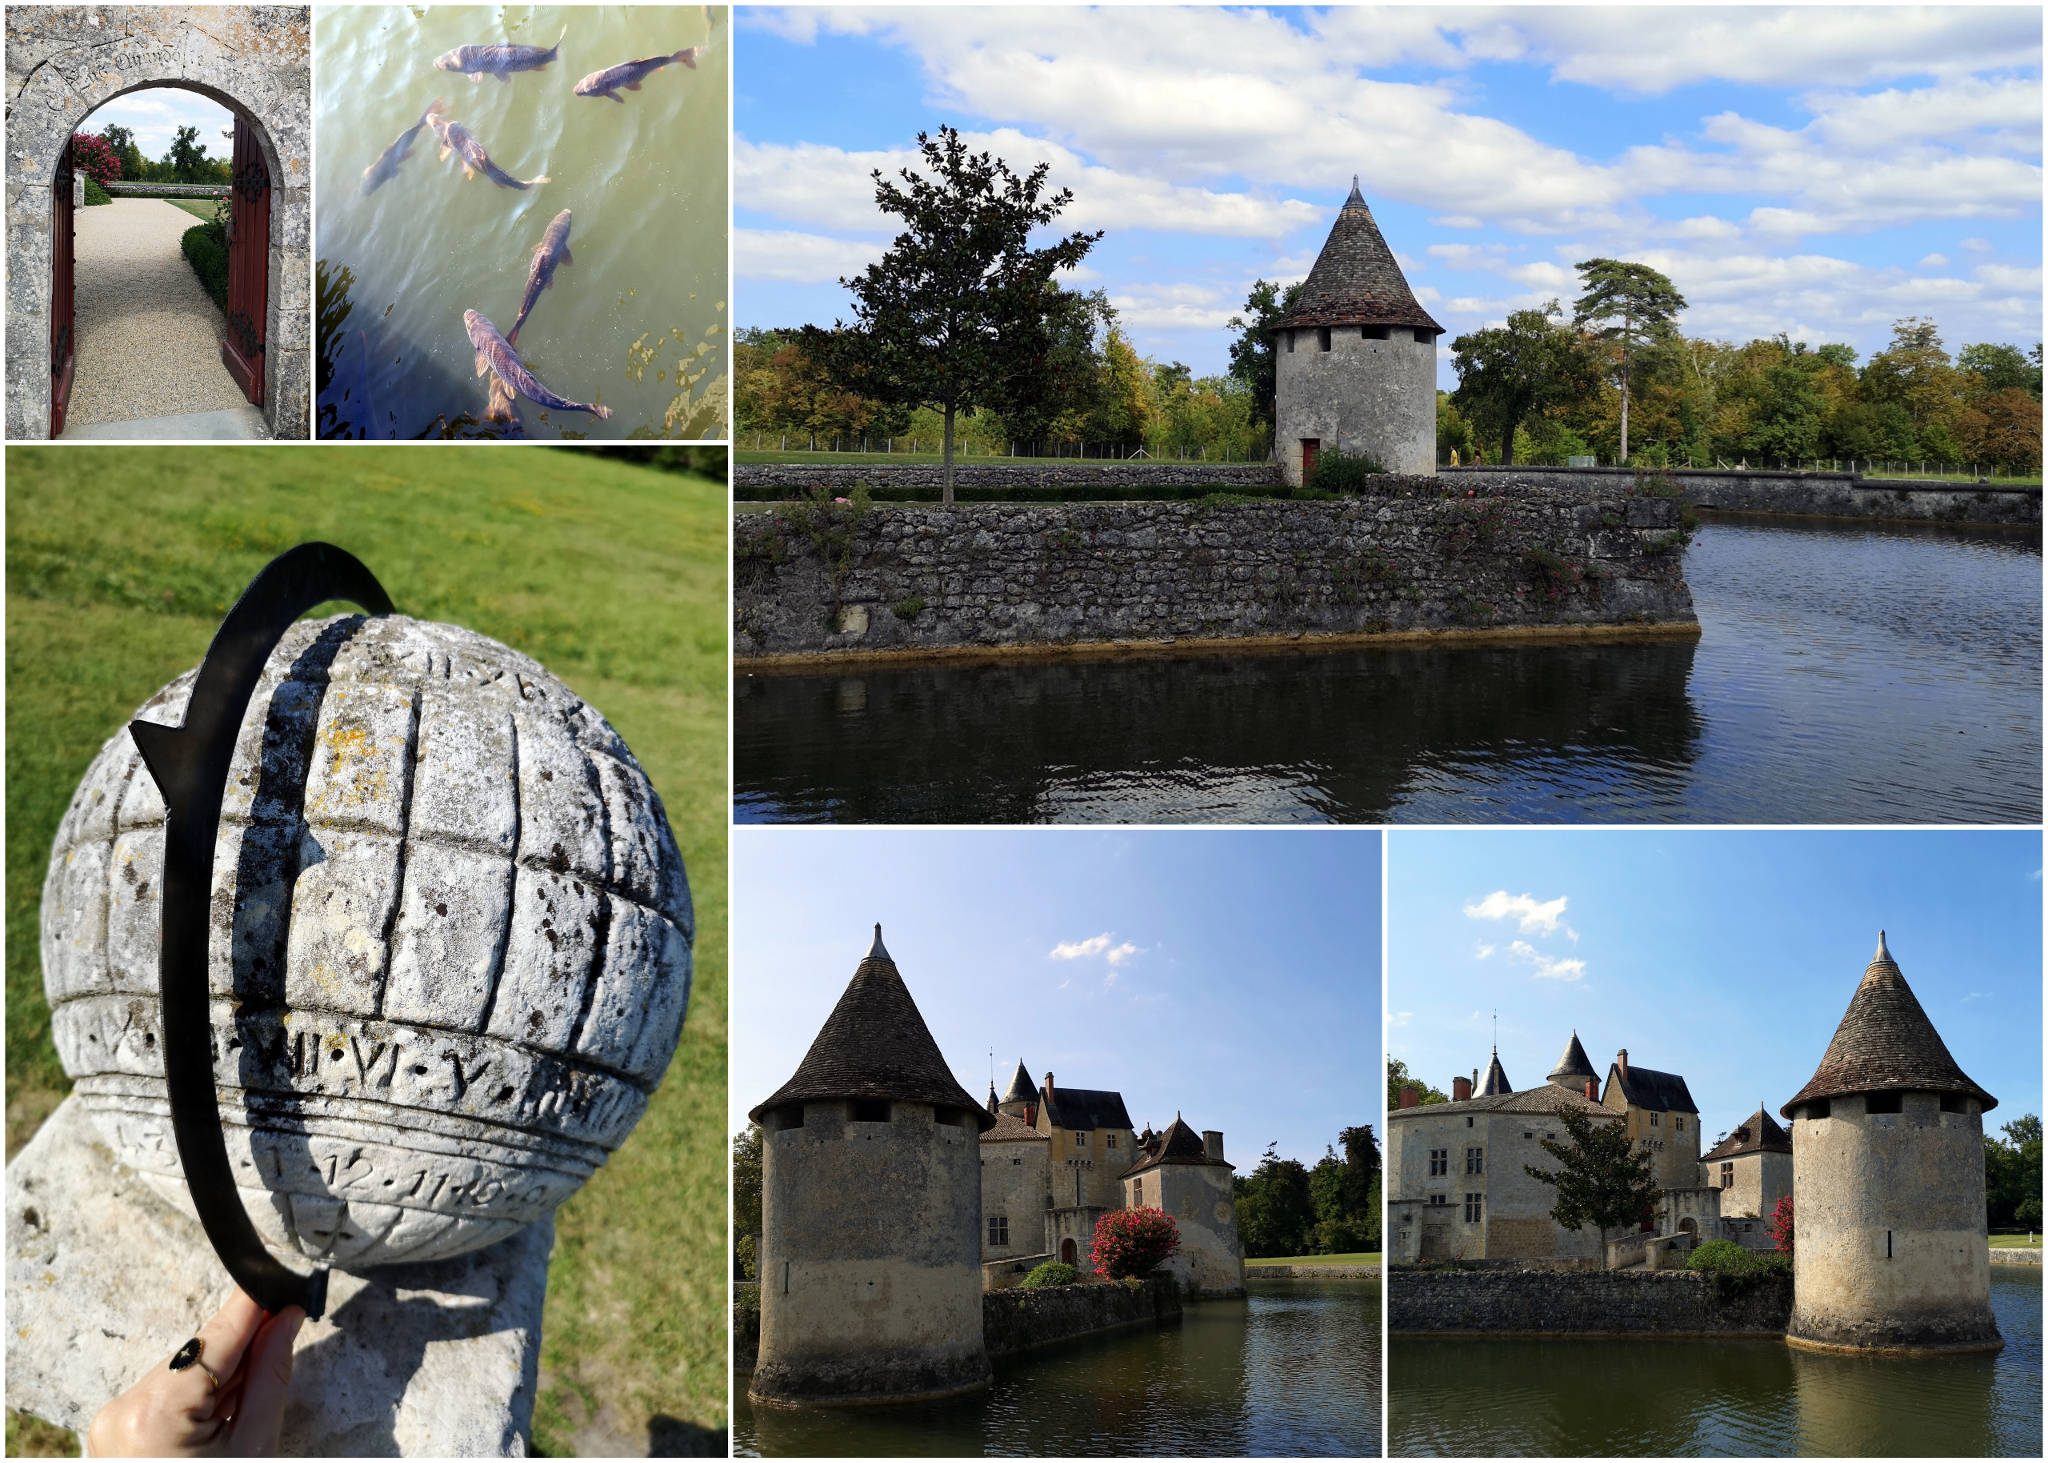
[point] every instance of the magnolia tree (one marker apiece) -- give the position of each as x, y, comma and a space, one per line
1133, 1241
93, 156
1781, 1224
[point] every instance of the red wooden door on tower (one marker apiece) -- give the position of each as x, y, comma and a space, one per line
63, 347
248, 265
1311, 448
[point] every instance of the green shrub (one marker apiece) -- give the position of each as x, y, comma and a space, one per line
1733, 1269
909, 607
1343, 472
1052, 1272
206, 248
95, 194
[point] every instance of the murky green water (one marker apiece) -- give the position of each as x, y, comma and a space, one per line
1651, 1398
1291, 1371
638, 322
1844, 673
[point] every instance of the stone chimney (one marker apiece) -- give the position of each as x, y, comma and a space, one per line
1050, 1100
1410, 1097
1461, 1088
1212, 1144
1592, 1089
1621, 1061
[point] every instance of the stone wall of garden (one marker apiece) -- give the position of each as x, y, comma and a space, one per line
1014, 1321
1421, 557
1805, 494
1529, 1301
783, 480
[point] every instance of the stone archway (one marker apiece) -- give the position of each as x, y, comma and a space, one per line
65, 62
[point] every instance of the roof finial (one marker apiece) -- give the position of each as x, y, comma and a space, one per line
1882, 953
1356, 196
879, 950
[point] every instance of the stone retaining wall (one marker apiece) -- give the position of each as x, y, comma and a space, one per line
1312, 1272
1635, 1302
1806, 494
173, 190
2007, 1256
1014, 1321
912, 579
793, 479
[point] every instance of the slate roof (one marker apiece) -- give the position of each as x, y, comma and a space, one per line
1886, 1044
1021, 1086
1653, 1090
1545, 1099
1077, 1108
1013, 1130
1496, 1079
875, 1045
1758, 1134
1356, 280
1178, 1144
1574, 1064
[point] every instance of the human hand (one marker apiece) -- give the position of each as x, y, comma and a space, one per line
182, 1414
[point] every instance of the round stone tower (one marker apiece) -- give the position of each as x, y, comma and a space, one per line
1888, 1185
1355, 359
871, 1211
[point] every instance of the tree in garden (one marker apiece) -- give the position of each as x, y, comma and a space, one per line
187, 157
1601, 1178
1781, 1224
1251, 355
1133, 1241
1630, 305
1398, 1077
1124, 408
1509, 373
953, 316
92, 156
1059, 368
1275, 1203
746, 1187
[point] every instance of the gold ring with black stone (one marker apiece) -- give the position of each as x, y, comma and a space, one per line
189, 1355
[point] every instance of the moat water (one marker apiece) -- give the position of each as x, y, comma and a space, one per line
1291, 1371
1651, 1398
1844, 673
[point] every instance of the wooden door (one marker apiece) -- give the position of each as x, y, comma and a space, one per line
63, 347
1311, 447
248, 265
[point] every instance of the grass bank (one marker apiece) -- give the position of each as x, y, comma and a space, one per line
2015, 1241
120, 564
199, 208
1367, 1259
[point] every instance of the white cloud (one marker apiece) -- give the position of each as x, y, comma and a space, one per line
1934, 261
1118, 954
800, 258
1978, 245
1482, 950
1532, 915
1546, 967
1075, 949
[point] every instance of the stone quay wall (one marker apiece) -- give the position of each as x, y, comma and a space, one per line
792, 480
2007, 1256
915, 579
1545, 1302
1014, 1321
1311, 1272
1801, 494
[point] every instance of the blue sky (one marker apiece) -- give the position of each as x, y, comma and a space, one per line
1727, 957
1821, 171
1230, 976
156, 113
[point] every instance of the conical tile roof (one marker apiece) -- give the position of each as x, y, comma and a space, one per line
1496, 1079
875, 1045
1574, 1067
1356, 280
1886, 1044
1021, 1086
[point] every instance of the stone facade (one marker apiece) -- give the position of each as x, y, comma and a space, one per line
1210, 1261
911, 580
1348, 391
1017, 1321
1546, 1302
1754, 1183
65, 61
1015, 1191
450, 953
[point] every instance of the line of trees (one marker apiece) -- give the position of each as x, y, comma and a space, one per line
184, 162
1285, 1207
2012, 1175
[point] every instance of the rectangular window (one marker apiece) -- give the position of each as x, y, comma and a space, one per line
1137, 1193
1475, 1160
869, 1111
1081, 1138
1375, 332
1954, 1102
1678, 1122
1016, 1163
1818, 1108
1472, 1208
1424, 334
1468, 1122
1110, 1141
999, 1231
1653, 1120
1439, 1162
1882, 1102
1290, 342
1727, 1175
1439, 1201
1323, 337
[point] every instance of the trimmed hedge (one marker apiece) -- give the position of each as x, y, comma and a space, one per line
206, 248
1733, 1269
95, 194
1052, 1272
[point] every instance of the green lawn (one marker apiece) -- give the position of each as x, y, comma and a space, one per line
1882, 474
199, 208
2016, 1242
748, 455
120, 564
1370, 1259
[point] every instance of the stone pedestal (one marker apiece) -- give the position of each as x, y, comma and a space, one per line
104, 1280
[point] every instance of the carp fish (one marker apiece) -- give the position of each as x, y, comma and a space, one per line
495, 353
550, 254
382, 171
499, 59
629, 75
458, 139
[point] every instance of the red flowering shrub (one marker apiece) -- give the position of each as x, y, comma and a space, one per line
1781, 1224
92, 156
1133, 1241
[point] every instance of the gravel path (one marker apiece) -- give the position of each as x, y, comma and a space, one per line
148, 336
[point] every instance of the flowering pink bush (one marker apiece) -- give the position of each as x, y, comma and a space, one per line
1781, 1224
1132, 1241
93, 156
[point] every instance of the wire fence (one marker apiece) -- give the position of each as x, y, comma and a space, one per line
1921, 470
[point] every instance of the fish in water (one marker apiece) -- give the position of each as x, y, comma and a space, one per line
382, 171
548, 255
457, 138
629, 74
477, 62
503, 409
495, 353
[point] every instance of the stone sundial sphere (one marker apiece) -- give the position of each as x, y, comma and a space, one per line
449, 954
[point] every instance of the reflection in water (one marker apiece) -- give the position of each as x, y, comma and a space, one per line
637, 321
1677, 1398
1845, 673
1291, 1371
